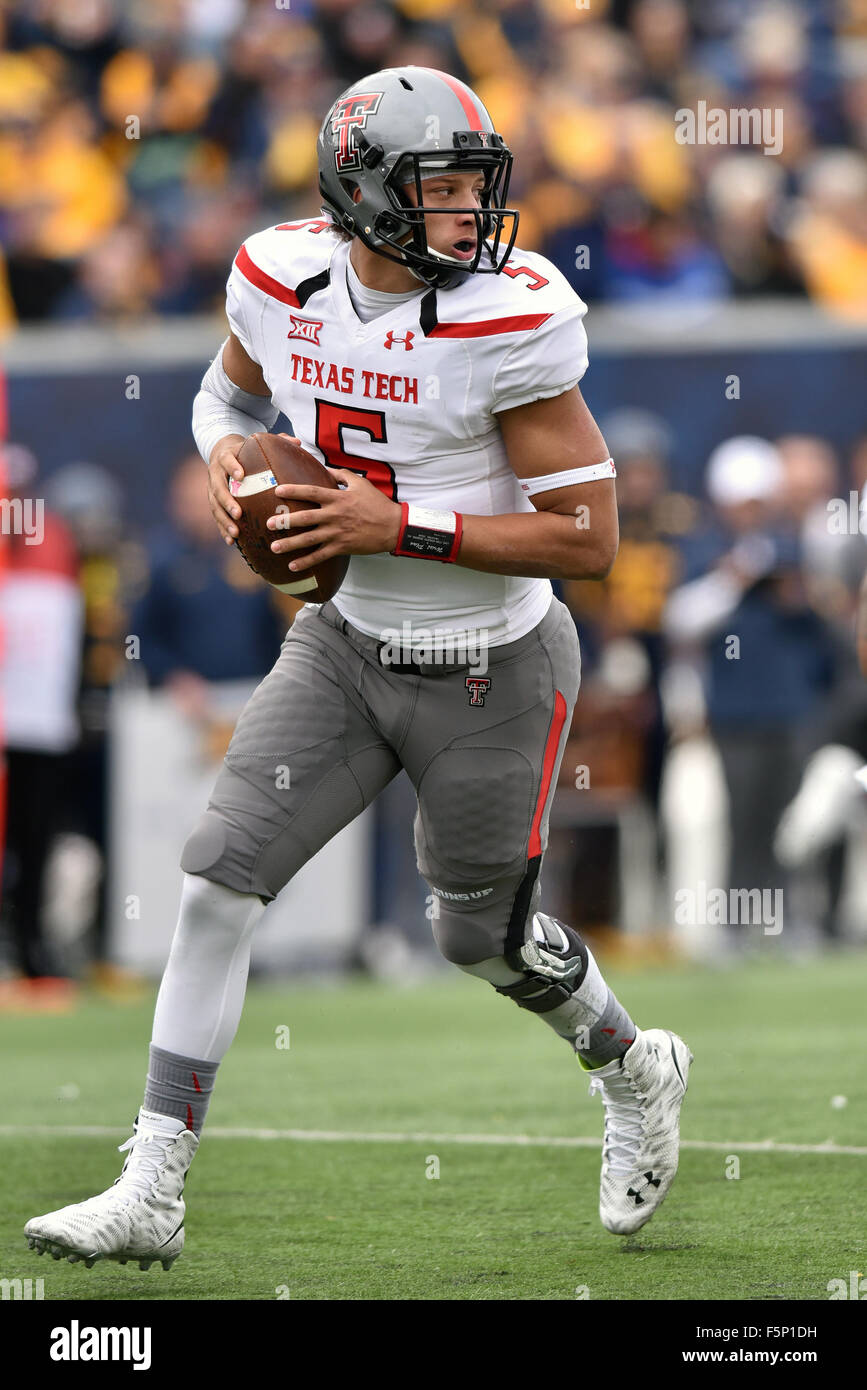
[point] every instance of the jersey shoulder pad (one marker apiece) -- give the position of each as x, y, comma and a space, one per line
522, 297
281, 261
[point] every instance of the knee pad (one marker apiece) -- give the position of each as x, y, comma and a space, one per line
205, 845
205, 856
553, 961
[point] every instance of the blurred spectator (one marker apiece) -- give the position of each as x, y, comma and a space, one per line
59, 194
814, 829
623, 613
744, 192
618, 728
858, 466
42, 625
661, 30
115, 279
203, 615
91, 502
660, 257
766, 656
828, 236
832, 563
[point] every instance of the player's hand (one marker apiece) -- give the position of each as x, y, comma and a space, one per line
223, 465
357, 519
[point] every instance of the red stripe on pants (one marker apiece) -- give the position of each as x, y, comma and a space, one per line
535, 845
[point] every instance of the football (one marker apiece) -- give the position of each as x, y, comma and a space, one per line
269, 460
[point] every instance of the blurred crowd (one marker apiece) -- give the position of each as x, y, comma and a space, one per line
142, 140
720, 687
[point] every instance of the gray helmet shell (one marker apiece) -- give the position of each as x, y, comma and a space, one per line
399, 126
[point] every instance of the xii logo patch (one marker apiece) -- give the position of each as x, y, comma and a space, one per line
478, 687
309, 329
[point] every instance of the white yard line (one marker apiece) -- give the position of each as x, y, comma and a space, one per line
334, 1136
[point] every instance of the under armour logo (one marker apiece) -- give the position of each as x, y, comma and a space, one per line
477, 685
405, 339
633, 1192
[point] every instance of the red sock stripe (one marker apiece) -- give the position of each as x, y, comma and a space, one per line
190, 1119
196, 1082
535, 845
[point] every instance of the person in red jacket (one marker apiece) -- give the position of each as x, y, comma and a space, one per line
41, 613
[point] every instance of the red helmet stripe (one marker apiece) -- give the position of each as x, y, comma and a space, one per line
464, 96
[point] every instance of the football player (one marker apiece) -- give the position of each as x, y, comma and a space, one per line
435, 368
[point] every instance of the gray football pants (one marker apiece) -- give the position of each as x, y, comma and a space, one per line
329, 727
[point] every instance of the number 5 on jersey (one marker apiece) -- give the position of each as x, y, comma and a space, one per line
331, 420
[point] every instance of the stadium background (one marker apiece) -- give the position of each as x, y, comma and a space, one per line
139, 144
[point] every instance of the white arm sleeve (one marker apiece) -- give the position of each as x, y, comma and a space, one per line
694, 610
222, 408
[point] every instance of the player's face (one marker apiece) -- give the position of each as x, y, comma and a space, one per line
450, 233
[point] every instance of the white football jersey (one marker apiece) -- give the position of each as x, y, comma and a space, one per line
410, 400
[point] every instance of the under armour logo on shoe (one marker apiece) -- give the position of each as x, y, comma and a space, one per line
633, 1192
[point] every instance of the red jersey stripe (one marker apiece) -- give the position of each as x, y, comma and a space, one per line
487, 328
464, 96
264, 282
535, 845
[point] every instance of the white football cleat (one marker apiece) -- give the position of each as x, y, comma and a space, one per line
642, 1094
141, 1217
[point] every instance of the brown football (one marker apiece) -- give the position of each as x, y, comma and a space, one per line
269, 460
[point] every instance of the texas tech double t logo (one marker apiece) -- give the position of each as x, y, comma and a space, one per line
351, 111
477, 686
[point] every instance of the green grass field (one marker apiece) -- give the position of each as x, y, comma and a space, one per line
357, 1217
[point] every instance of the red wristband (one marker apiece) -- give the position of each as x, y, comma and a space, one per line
426, 534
